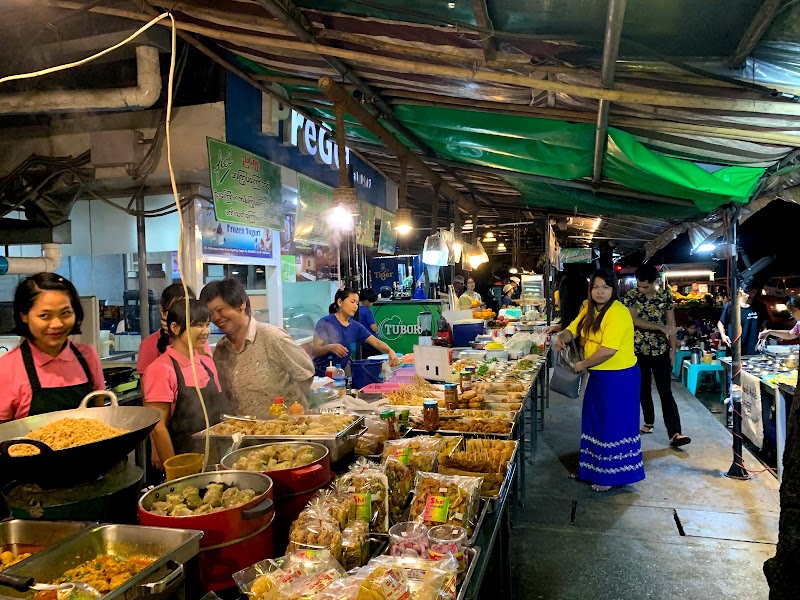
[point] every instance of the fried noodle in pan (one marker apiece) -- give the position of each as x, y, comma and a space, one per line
67, 433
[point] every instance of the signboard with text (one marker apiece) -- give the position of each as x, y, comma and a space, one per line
246, 188
366, 224
229, 239
388, 238
313, 202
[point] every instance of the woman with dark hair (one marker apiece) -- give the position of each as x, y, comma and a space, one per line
157, 343
47, 372
337, 335
170, 384
611, 450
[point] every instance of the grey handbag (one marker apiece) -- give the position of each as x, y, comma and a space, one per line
565, 380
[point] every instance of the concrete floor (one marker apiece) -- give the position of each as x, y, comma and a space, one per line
686, 531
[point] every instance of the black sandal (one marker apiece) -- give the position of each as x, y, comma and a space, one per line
679, 440
647, 428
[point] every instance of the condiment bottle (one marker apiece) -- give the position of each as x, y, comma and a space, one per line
430, 415
278, 408
391, 423
330, 370
451, 396
296, 409
466, 381
340, 380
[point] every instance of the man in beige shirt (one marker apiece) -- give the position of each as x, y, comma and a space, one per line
256, 361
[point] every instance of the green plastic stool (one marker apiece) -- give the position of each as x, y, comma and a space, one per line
692, 373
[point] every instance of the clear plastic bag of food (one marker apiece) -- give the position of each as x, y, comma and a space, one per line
355, 545
418, 453
370, 443
426, 579
383, 582
267, 579
346, 588
400, 483
317, 531
339, 504
315, 510
309, 586
369, 488
446, 499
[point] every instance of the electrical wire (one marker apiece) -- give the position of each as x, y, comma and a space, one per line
173, 182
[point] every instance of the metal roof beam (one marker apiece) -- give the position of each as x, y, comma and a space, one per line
615, 17
758, 27
483, 20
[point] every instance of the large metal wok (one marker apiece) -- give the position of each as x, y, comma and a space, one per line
78, 463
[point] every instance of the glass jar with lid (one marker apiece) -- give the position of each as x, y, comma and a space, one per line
430, 415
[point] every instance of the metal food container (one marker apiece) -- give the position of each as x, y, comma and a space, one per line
338, 444
27, 536
171, 549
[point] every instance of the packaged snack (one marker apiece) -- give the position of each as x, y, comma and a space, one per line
317, 531
355, 545
417, 453
370, 443
369, 488
400, 483
486, 458
339, 504
307, 588
267, 579
317, 509
384, 582
446, 499
448, 540
426, 579
409, 539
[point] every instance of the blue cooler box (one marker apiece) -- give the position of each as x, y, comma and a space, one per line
466, 331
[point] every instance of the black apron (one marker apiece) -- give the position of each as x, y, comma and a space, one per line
188, 416
45, 400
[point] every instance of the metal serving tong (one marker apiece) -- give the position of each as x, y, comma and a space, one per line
64, 590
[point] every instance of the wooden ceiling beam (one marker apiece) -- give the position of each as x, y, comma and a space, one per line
483, 20
755, 31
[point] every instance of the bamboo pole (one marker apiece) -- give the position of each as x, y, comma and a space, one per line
660, 98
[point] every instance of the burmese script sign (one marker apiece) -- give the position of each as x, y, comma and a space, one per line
246, 188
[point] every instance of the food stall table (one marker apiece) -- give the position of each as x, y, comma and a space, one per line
778, 395
493, 539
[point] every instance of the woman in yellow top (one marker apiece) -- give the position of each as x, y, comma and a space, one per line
611, 450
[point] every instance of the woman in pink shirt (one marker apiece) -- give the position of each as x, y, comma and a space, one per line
47, 372
156, 343
169, 383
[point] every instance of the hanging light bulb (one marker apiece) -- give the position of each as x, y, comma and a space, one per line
477, 255
513, 270
501, 247
403, 223
489, 237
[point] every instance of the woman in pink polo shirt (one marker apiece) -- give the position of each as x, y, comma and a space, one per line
156, 343
169, 383
47, 372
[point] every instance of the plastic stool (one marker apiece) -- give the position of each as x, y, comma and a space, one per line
691, 376
679, 356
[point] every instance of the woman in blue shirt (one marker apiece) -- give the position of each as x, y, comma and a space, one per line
337, 336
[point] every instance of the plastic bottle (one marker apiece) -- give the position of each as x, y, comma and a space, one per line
340, 381
386, 371
296, 409
278, 408
329, 370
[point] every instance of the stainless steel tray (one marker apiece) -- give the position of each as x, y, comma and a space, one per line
463, 584
43, 534
338, 444
179, 545
442, 431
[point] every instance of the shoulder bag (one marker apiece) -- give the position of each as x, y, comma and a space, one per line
565, 380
